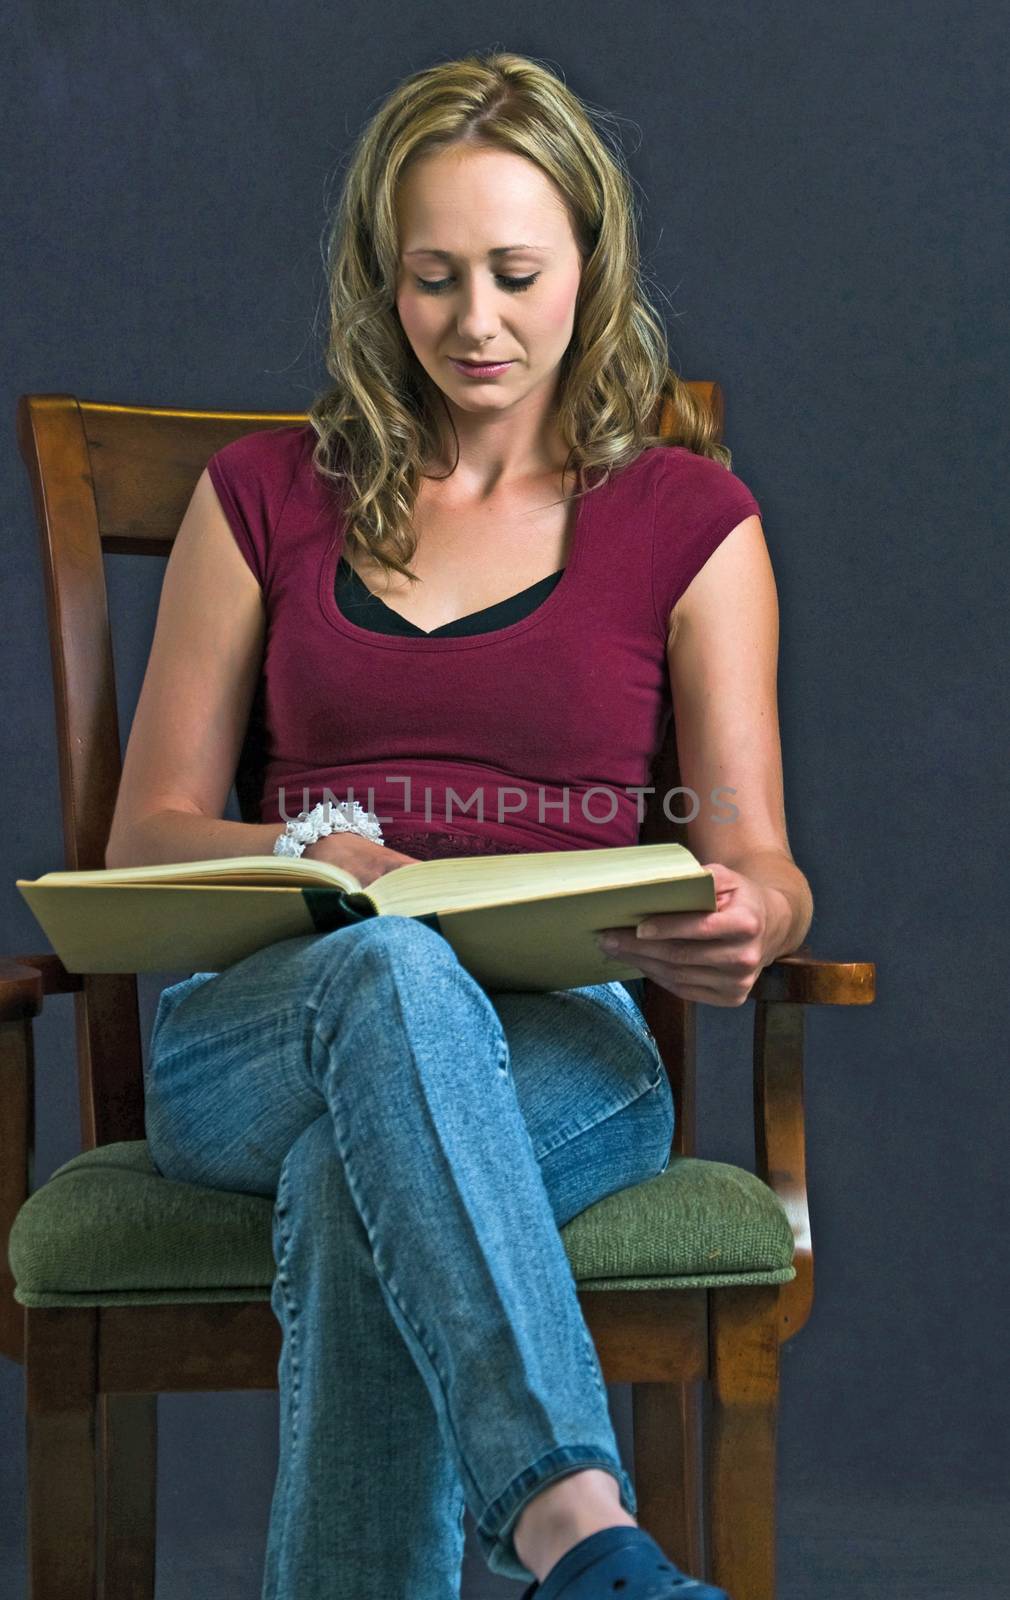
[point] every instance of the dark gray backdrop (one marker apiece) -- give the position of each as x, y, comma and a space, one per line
824, 207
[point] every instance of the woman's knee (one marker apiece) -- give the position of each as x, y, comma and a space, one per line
391, 952
395, 936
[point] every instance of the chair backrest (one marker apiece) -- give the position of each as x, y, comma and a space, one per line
114, 479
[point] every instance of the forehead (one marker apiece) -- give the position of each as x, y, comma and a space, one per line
478, 204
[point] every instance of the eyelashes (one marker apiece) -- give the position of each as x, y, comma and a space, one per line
511, 285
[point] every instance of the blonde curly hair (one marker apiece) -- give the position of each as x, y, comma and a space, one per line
377, 423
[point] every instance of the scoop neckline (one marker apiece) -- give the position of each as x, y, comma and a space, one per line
357, 582
424, 642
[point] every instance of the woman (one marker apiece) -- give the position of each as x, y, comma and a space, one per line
408, 590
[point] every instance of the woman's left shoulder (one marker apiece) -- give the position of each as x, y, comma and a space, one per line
683, 471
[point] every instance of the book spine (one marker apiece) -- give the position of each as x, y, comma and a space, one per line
334, 908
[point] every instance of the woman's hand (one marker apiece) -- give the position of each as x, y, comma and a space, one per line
356, 854
711, 956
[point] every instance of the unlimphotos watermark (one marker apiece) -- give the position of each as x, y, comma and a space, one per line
520, 804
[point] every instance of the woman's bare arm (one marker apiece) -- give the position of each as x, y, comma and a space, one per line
194, 704
723, 665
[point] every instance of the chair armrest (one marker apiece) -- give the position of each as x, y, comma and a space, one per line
22, 976
780, 993
21, 991
801, 979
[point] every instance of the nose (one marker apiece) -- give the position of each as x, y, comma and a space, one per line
476, 318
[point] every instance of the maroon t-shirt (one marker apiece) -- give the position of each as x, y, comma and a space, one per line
539, 735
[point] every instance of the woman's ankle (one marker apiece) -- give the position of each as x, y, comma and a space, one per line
565, 1512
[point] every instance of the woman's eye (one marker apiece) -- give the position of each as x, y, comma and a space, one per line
512, 285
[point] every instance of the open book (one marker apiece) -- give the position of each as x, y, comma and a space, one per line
523, 921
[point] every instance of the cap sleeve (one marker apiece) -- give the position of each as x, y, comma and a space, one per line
253, 476
698, 502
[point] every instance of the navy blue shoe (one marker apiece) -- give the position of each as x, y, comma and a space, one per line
624, 1560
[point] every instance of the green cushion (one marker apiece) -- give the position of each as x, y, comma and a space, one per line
108, 1229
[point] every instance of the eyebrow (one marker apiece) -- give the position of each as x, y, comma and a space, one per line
499, 250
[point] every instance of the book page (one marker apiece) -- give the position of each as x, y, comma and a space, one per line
462, 883
271, 871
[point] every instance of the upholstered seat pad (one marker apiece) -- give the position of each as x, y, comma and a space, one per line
108, 1229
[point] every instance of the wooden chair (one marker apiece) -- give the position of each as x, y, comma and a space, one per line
689, 1283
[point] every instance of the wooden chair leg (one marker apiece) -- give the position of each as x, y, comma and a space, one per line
128, 1489
740, 1433
668, 1450
60, 1413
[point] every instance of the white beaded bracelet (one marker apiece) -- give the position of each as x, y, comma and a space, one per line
321, 821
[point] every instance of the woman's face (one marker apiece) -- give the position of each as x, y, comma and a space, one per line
489, 270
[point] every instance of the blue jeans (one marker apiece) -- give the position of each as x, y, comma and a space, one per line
423, 1139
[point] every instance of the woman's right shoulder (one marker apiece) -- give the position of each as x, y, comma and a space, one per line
266, 452
253, 475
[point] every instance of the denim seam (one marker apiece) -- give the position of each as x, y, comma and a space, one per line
383, 1272
289, 1300
592, 1359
